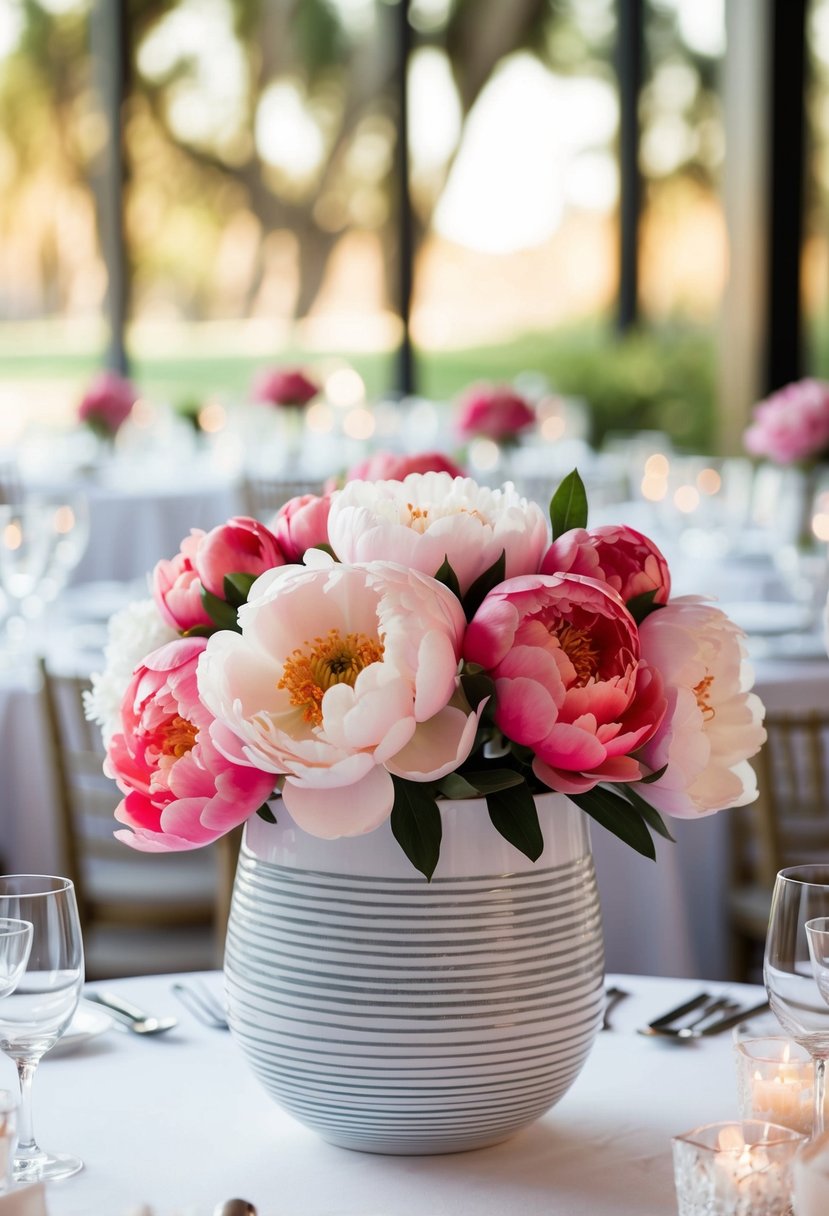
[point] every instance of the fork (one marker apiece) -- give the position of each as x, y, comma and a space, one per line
202, 1003
689, 1030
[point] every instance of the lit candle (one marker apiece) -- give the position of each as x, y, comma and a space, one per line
726, 1168
775, 1080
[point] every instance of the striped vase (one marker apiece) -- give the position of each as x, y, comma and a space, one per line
394, 1015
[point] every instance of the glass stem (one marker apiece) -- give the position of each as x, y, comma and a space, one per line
27, 1148
820, 1095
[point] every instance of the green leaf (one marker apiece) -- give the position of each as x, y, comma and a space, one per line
568, 506
454, 785
199, 631
237, 586
483, 585
266, 813
222, 614
654, 776
649, 813
514, 814
416, 824
642, 605
619, 817
492, 780
476, 688
326, 548
448, 577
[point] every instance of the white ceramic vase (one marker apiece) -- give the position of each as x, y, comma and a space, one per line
396, 1015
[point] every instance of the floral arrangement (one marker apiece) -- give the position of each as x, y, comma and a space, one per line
494, 412
792, 425
107, 404
415, 640
287, 387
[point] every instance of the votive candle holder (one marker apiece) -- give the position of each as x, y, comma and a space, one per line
775, 1082
735, 1169
811, 1178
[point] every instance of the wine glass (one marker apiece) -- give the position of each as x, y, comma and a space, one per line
66, 520
15, 945
801, 894
38, 1011
25, 544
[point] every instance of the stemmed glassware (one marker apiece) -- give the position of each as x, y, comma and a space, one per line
36, 1013
801, 895
25, 544
15, 946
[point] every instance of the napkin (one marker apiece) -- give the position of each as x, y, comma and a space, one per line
24, 1201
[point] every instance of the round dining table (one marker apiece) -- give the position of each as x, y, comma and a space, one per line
174, 1125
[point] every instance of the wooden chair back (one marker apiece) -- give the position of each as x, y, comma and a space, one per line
263, 496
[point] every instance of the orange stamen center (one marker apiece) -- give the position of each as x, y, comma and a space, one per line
701, 692
315, 667
179, 737
580, 650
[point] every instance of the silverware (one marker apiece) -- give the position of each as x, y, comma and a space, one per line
612, 998
129, 1015
702, 1026
202, 1003
673, 1015
687, 1030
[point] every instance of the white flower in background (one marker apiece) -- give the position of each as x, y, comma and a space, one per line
341, 676
133, 633
713, 724
427, 517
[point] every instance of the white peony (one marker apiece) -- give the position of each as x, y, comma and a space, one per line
427, 517
133, 633
713, 724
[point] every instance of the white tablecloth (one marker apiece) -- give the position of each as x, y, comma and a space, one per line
178, 1122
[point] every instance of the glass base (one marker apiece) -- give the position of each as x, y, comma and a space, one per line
45, 1167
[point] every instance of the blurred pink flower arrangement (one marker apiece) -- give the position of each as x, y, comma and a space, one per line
107, 404
399, 642
288, 387
394, 466
494, 412
792, 425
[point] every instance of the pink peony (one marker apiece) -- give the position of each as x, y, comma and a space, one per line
300, 524
429, 517
342, 676
177, 587
564, 653
241, 546
284, 386
180, 791
107, 403
390, 466
792, 424
623, 558
713, 724
497, 412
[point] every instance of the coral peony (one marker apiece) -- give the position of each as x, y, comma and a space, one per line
429, 517
107, 403
392, 466
791, 425
496, 412
300, 524
564, 653
180, 791
288, 386
627, 561
341, 676
177, 588
713, 724
241, 546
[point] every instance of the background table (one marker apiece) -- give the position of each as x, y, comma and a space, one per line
178, 1122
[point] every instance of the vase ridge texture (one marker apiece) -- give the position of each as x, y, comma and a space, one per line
399, 1016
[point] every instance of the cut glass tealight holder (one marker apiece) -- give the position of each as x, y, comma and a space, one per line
775, 1082
735, 1169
